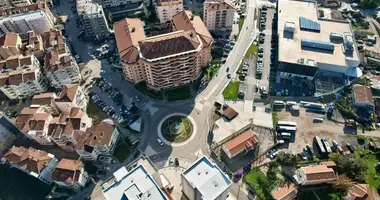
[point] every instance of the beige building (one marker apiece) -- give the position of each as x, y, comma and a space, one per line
10, 45
218, 14
314, 175
94, 20
167, 60
166, 9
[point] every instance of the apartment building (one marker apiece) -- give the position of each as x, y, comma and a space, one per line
114, 3
6, 4
60, 67
10, 45
70, 174
167, 60
21, 77
9, 133
37, 21
71, 96
33, 45
39, 164
166, 9
94, 20
218, 14
201, 178
47, 100
37, 124
100, 141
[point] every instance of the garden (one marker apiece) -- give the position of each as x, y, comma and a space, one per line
177, 129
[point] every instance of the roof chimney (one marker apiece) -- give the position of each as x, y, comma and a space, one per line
133, 29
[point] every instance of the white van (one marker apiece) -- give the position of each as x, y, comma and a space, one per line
318, 119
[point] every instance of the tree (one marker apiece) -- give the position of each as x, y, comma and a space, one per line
369, 3
287, 159
342, 185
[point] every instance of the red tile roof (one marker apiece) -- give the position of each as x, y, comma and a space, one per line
361, 192
318, 173
230, 113
28, 159
68, 93
9, 39
67, 170
169, 44
288, 192
248, 140
363, 94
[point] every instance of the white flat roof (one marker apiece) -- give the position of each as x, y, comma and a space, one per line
207, 178
137, 184
290, 49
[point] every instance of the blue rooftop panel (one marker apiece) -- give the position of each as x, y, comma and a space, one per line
309, 25
318, 44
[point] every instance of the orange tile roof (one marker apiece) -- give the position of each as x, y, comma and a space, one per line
248, 140
329, 163
54, 62
319, 172
68, 93
9, 39
128, 32
363, 94
186, 20
67, 170
361, 192
230, 113
54, 38
43, 99
101, 134
219, 6
28, 159
169, 44
288, 192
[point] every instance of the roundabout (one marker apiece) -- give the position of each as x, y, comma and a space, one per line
177, 129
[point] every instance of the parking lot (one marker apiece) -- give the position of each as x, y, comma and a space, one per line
308, 128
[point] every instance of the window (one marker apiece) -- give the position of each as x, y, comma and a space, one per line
101, 134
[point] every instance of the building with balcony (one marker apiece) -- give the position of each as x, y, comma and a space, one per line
218, 14
166, 9
37, 124
94, 20
71, 96
204, 180
21, 77
70, 174
6, 4
8, 133
37, 21
115, 3
10, 45
167, 60
100, 141
39, 164
33, 45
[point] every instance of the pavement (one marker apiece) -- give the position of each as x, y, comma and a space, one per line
198, 108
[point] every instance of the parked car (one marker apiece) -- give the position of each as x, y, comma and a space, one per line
160, 142
176, 162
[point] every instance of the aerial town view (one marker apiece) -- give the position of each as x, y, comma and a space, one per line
190, 99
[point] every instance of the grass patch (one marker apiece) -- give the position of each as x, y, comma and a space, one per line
259, 183
213, 69
185, 129
252, 50
95, 112
372, 177
323, 193
364, 81
275, 118
180, 93
122, 152
231, 91
241, 23
142, 87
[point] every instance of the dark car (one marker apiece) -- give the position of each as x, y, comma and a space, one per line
176, 162
350, 147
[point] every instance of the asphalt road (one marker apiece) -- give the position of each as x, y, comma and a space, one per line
198, 108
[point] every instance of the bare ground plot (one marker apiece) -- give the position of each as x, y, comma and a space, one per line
238, 162
307, 129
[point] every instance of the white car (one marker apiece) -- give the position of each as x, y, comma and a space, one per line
160, 142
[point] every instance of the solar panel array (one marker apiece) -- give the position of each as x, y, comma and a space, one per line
318, 44
309, 25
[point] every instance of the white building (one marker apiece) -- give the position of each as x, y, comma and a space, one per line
134, 184
218, 14
94, 20
37, 21
166, 9
39, 164
204, 180
21, 77
8, 133
100, 141
70, 174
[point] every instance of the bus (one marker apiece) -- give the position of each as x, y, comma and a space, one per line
286, 123
320, 146
326, 145
286, 129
